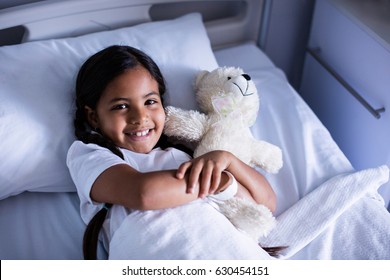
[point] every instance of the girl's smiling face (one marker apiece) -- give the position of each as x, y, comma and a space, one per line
130, 111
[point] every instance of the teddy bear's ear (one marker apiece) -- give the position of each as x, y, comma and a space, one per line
199, 77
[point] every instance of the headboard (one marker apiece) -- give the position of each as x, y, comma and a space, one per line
228, 22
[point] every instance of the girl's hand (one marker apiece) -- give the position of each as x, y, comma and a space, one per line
206, 171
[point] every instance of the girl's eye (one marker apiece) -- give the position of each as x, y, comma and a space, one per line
120, 107
150, 102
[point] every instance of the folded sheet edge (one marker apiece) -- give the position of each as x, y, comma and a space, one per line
311, 215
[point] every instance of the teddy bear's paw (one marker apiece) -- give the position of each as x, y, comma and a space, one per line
269, 157
256, 220
172, 115
274, 163
184, 124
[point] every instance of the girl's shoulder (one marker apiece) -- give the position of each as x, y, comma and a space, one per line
82, 152
79, 147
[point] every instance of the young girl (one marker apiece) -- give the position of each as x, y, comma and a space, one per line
122, 159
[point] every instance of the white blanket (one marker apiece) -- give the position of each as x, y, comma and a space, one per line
331, 222
343, 218
195, 231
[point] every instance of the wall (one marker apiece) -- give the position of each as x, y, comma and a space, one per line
9, 3
287, 35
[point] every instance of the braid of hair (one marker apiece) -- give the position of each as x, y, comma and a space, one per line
91, 233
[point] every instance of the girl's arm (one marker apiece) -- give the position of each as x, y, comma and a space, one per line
122, 184
252, 184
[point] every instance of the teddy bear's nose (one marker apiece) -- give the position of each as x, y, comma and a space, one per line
247, 77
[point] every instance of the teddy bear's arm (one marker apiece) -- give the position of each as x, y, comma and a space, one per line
268, 157
187, 125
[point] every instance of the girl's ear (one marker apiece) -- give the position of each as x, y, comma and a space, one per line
91, 117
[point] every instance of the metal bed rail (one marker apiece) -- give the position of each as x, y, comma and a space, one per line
315, 53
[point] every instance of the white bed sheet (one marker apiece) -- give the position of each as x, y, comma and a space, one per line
48, 225
37, 225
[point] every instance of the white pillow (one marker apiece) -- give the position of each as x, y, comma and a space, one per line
37, 94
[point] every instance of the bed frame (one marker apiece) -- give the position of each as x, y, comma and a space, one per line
228, 22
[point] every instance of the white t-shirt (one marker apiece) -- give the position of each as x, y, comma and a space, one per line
196, 230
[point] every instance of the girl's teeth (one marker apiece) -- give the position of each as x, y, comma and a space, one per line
142, 133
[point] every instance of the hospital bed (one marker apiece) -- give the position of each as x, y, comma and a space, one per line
326, 209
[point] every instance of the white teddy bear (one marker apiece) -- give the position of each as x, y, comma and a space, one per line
229, 102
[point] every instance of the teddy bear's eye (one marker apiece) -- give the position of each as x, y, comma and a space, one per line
229, 78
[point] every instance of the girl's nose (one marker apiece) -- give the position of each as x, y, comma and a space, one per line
137, 116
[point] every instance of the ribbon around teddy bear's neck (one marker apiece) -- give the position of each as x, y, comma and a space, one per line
224, 105
229, 109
